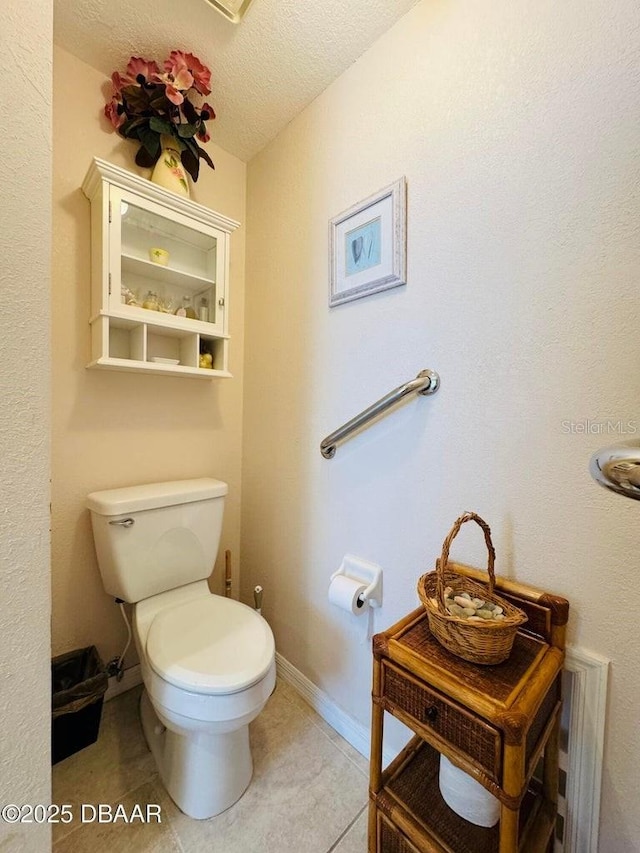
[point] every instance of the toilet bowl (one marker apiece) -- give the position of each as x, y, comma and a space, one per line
208, 662
208, 668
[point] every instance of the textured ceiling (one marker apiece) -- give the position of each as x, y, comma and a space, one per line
264, 71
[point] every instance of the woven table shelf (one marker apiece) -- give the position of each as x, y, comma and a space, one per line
497, 723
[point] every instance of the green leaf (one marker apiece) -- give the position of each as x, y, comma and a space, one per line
186, 131
144, 159
129, 129
159, 102
191, 144
190, 112
203, 154
150, 140
136, 98
190, 162
160, 125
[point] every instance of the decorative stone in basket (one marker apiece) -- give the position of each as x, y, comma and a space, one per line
467, 617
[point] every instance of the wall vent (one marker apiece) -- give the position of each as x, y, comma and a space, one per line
233, 10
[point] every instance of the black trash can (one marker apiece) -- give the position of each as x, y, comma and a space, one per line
79, 682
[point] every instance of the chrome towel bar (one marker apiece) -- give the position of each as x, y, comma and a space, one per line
426, 382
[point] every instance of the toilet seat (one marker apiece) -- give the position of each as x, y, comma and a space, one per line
210, 645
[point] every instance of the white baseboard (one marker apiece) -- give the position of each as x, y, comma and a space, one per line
347, 727
131, 678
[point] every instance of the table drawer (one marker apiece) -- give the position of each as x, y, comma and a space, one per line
435, 713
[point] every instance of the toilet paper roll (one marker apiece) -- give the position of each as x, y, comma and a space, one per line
344, 593
466, 797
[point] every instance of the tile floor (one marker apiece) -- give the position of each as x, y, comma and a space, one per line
308, 794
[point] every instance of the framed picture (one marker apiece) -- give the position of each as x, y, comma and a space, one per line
368, 246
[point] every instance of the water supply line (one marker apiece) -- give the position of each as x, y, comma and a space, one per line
115, 667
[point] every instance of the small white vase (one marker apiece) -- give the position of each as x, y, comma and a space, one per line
169, 171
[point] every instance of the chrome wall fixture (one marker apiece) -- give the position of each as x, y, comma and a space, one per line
426, 382
618, 468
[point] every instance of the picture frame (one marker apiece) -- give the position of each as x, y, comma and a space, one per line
368, 246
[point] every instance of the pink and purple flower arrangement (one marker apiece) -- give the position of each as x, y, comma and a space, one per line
148, 103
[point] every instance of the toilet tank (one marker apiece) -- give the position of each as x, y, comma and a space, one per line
156, 537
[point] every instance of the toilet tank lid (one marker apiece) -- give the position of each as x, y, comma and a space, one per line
155, 495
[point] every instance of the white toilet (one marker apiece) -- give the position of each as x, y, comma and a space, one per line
208, 663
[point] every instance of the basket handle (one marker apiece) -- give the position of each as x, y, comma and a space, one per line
441, 564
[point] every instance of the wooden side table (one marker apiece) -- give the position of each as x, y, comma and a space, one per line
494, 722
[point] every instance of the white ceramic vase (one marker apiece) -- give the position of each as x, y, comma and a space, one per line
169, 171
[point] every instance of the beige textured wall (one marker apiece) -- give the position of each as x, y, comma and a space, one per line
116, 429
25, 278
515, 125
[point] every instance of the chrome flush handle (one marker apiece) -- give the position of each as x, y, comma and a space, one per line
124, 522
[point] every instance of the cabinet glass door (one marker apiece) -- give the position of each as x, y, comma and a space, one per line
166, 265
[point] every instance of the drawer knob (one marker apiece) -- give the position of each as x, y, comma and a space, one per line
431, 713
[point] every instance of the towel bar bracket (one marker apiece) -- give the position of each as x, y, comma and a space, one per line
434, 382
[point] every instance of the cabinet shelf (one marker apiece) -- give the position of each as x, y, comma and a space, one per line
131, 365
165, 275
130, 315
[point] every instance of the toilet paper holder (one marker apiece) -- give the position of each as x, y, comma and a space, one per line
364, 572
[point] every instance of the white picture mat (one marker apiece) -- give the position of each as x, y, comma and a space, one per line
383, 210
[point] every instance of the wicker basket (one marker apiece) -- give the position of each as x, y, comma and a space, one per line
487, 642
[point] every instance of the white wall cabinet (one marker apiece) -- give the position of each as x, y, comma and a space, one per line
135, 297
